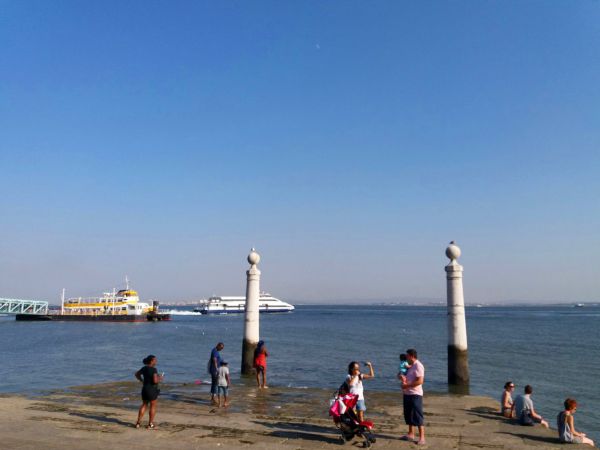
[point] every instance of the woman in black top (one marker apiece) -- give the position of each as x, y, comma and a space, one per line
149, 376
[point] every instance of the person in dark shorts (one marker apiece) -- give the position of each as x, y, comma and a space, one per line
412, 389
524, 411
149, 376
213, 368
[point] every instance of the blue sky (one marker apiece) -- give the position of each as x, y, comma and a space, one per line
348, 141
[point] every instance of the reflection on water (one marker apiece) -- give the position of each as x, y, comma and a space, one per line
459, 390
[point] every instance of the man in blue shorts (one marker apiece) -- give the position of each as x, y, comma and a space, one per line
412, 390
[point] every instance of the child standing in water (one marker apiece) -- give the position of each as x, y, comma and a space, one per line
223, 383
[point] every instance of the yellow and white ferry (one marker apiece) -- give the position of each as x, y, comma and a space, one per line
125, 302
122, 306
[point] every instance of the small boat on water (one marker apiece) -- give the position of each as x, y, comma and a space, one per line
579, 305
116, 306
237, 304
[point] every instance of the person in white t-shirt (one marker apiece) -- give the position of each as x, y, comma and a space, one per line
355, 379
223, 383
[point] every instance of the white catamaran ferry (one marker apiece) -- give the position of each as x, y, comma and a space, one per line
230, 305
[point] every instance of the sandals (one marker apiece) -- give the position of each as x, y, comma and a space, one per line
150, 426
137, 425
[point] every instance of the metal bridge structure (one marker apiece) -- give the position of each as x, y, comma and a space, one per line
19, 306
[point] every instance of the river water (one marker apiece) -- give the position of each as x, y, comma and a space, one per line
555, 349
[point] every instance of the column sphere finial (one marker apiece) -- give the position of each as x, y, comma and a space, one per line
453, 251
253, 257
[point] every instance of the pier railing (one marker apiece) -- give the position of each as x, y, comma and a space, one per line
19, 306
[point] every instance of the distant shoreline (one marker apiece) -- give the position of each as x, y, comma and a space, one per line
437, 304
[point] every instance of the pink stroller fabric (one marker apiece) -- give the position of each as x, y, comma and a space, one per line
349, 400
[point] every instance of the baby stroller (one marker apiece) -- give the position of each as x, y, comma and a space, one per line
345, 418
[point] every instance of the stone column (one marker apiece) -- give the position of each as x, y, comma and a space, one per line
458, 358
251, 325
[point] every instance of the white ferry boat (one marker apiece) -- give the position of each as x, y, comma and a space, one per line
230, 305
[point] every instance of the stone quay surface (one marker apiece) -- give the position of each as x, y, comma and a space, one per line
102, 417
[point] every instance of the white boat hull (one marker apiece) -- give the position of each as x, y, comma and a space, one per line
237, 305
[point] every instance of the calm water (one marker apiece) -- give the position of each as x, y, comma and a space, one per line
556, 349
